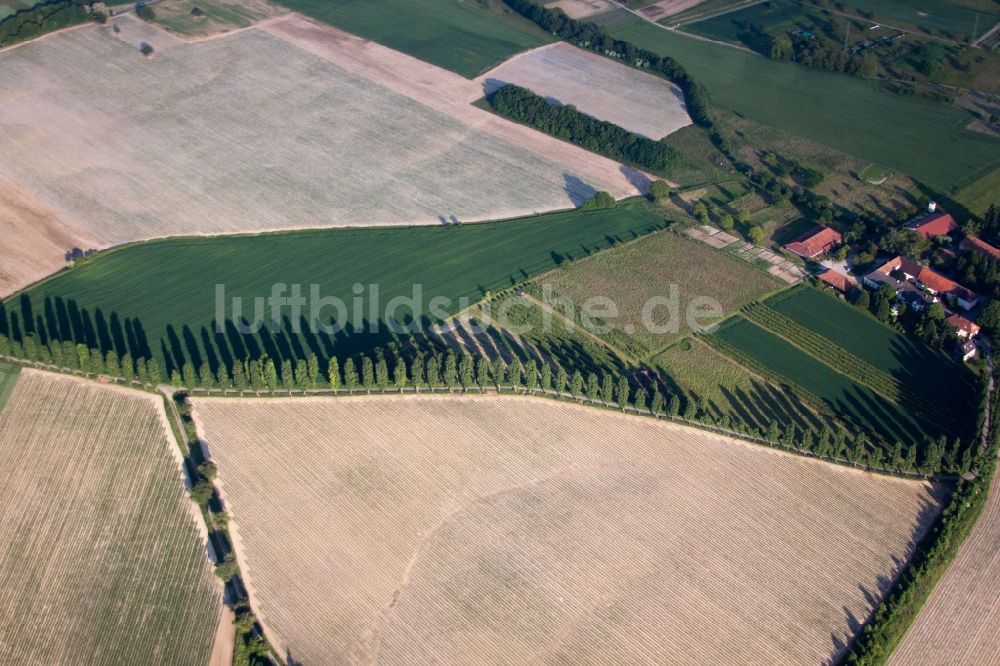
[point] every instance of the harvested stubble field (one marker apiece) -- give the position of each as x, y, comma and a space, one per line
261, 130
600, 87
455, 529
657, 267
960, 623
101, 559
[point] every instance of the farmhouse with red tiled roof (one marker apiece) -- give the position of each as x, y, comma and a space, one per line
934, 224
931, 281
839, 281
818, 240
974, 244
963, 327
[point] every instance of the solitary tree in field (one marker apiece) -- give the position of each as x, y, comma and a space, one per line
146, 49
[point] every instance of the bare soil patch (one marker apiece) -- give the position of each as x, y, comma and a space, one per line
581, 9
665, 8
600, 87
35, 237
459, 529
960, 623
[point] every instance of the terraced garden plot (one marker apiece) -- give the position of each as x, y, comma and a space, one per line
597, 86
101, 560
249, 132
851, 401
450, 530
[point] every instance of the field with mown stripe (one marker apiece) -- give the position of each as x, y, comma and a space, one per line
101, 558
852, 401
904, 357
502, 529
465, 37
169, 287
914, 136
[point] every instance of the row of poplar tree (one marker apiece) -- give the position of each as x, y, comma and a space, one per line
459, 371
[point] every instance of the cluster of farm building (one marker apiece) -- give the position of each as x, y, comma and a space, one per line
914, 285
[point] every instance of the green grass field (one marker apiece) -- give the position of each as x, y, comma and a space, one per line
906, 134
696, 371
465, 37
902, 356
983, 193
935, 16
8, 377
168, 287
849, 401
647, 269
771, 16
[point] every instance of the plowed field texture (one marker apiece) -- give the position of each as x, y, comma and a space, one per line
598, 86
100, 558
253, 131
499, 530
960, 623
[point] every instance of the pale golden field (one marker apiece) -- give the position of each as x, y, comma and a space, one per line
510, 530
598, 86
101, 561
960, 623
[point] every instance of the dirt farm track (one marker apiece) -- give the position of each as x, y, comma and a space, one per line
456, 529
